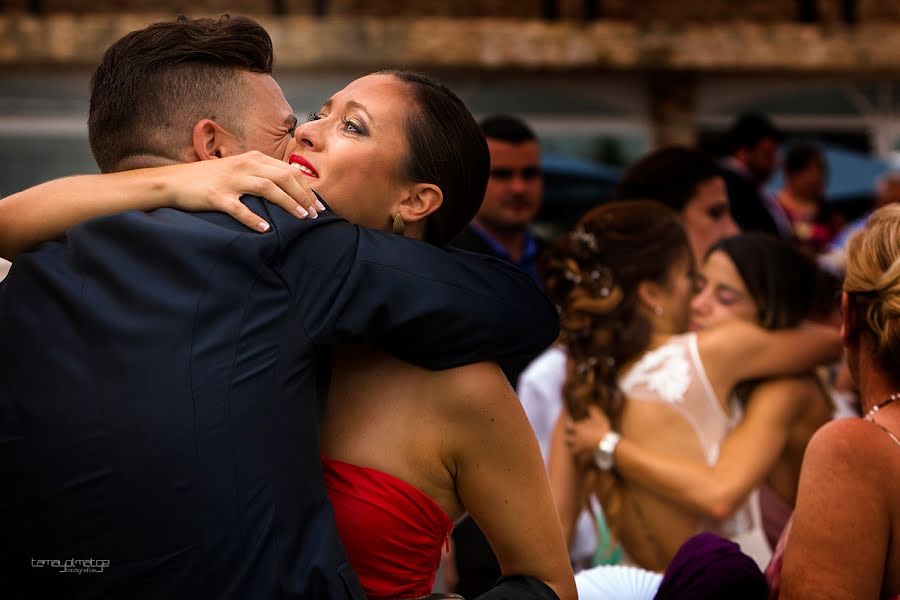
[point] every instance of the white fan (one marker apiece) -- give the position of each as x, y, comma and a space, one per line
617, 582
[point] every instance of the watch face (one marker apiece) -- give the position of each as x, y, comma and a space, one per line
603, 455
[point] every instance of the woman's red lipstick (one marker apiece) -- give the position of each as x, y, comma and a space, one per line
304, 166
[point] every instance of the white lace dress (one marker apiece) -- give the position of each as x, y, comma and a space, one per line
674, 375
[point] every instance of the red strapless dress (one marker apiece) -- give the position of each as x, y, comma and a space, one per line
392, 531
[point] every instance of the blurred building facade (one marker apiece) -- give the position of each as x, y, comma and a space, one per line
603, 80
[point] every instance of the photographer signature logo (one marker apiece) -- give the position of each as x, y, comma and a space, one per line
72, 565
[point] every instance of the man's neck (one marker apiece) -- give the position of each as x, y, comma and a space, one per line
739, 166
143, 161
512, 240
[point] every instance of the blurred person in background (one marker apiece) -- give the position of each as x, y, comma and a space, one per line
623, 281
753, 143
887, 191
513, 197
689, 183
754, 278
844, 539
803, 197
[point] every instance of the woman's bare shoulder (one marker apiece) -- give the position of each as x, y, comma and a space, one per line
477, 388
847, 444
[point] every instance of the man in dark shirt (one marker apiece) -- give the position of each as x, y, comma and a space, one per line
162, 374
753, 145
513, 197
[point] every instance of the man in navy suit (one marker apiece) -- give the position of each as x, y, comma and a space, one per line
162, 374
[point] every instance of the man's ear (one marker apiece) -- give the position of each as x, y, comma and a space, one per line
849, 323
210, 140
423, 199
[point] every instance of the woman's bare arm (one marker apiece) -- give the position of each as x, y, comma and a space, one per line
745, 458
502, 481
841, 526
567, 478
44, 212
738, 351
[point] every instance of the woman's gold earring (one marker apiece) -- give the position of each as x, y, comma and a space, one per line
399, 225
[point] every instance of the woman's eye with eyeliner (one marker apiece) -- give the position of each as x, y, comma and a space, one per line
313, 116
353, 127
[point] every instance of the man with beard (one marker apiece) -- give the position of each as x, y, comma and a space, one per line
753, 144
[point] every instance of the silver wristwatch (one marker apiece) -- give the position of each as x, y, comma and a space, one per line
603, 454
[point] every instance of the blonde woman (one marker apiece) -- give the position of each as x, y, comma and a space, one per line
845, 537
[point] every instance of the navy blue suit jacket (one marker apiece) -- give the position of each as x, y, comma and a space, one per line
162, 377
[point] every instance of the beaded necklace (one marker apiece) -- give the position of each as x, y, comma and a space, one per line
870, 416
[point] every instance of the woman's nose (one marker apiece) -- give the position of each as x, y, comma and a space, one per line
731, 228
308, 135
699, 304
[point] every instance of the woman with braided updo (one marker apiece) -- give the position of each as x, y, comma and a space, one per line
623, 282
845, 537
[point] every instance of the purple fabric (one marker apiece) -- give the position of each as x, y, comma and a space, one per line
708, 566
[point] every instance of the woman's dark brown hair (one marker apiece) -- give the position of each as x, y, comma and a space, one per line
592, 275
447, 149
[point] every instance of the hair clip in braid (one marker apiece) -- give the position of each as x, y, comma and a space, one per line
588, 240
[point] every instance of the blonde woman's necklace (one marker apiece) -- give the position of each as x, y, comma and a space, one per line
890, 400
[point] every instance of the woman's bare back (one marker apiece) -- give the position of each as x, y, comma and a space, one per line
383, 413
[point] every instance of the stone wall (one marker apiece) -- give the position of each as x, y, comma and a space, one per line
643, 11
364, 42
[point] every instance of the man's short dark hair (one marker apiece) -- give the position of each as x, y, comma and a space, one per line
669, 175
750, 129
154, 84
507, 128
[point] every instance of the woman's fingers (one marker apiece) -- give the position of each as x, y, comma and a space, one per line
239, 211
292, 182
269, 187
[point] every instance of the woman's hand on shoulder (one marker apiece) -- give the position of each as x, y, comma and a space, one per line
217, 185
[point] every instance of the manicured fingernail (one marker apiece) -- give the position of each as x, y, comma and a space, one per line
320, 205
262, 226
313, 213
302, 212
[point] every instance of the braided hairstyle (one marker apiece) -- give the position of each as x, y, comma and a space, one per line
592, 275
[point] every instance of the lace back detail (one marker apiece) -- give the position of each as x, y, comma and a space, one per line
674, 375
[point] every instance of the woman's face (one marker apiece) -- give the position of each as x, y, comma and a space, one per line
354, 147
722, 295
809, 183
706, 217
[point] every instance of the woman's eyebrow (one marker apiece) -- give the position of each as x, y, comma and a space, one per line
728, 288
357, 105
